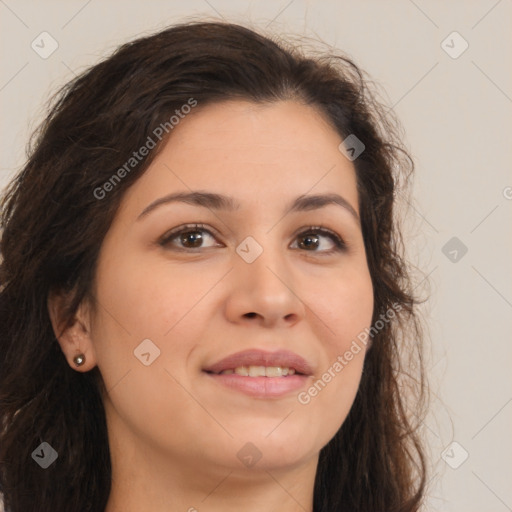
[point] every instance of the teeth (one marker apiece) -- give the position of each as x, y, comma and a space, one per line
256, 371
276, 371
260, 371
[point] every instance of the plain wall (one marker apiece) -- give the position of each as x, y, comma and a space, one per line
456, 114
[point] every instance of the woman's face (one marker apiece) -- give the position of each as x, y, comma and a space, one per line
254, 277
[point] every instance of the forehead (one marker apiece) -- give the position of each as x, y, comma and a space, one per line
241, 119
256, 133
253, 152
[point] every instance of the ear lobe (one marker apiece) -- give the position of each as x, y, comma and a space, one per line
74, 336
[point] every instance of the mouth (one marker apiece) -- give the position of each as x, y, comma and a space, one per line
259, 371
261, 374
260, 363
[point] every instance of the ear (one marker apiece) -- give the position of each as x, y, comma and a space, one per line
74, 338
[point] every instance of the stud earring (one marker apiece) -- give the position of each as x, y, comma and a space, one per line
79, 359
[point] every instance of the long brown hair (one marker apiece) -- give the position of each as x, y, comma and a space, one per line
54, 223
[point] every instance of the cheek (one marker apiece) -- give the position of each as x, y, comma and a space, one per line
346, 309
152, 302
345, 305
162, 305
134, 303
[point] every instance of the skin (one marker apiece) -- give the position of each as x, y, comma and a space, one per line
174, 434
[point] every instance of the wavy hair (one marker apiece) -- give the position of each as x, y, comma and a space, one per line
54, 224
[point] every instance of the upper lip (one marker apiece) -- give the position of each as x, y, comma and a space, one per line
255, 357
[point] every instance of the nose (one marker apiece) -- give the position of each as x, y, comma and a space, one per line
263, 292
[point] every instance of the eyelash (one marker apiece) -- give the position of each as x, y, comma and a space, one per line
339, 243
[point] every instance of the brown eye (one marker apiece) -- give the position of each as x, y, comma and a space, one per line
187, 237
191, 237
311, 240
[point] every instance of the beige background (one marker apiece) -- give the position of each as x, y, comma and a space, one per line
456, 113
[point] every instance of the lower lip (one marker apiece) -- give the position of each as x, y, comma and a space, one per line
261, 387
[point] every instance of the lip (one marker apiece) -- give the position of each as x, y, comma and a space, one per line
261, 387
255, 357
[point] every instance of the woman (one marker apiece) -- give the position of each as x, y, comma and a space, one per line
204, 303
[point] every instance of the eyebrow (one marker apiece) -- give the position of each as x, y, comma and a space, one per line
215, 201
